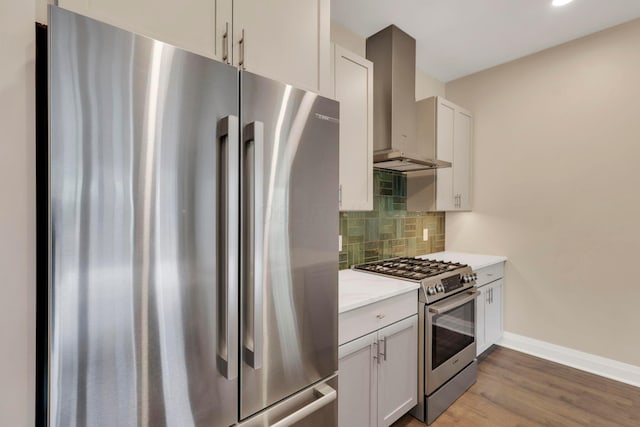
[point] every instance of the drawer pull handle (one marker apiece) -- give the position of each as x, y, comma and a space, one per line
490, 274
380, 316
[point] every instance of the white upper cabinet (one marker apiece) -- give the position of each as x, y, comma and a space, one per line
445, 130
353, 87
286, 40
462, 137
194, 25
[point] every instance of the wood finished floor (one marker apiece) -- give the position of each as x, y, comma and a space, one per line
515, 389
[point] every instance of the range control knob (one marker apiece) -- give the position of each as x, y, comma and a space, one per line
431, 290
439, 287
469, 278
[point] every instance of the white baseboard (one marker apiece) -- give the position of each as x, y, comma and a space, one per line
608, 368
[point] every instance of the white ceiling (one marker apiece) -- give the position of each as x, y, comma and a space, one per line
460, 37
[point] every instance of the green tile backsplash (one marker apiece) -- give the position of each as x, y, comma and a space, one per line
388, 230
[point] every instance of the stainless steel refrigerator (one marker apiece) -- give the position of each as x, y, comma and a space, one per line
193, 238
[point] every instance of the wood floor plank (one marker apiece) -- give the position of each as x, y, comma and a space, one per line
516, 389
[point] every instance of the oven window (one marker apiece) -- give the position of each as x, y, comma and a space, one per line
452, 332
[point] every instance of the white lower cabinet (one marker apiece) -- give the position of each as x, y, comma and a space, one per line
378, 375
357, 382
397, 370
489, 325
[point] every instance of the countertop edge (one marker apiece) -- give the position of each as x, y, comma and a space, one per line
475, 261
361, 289
378, 298
357, 289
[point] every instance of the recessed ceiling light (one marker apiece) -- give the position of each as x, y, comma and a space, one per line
561, 2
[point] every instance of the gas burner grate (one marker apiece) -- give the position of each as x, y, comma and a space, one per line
416, 269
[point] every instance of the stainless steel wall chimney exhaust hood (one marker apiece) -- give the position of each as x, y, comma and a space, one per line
395, 146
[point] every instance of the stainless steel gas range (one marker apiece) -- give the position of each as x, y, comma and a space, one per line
446, 341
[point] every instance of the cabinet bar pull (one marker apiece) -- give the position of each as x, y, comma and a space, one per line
225, 44
384, 355
241, 44
384, 340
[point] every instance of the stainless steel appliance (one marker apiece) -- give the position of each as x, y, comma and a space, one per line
446, 341
395, 141
193, 217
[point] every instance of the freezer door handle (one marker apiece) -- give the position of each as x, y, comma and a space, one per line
227, 247
327, 395
254, 235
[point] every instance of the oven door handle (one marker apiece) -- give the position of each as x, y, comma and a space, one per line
439, 309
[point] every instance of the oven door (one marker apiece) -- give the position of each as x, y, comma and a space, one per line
450, 338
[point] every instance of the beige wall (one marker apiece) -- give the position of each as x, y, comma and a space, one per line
41, 10
427, 86
556, 189
17, 214
349, 40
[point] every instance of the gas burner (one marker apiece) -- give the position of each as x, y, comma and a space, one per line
410, 268
416, 269
438, 279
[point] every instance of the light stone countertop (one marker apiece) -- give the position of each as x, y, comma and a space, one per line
356, 289
475, 261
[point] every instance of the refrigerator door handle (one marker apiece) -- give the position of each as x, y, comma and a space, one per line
327, 395
228, 206
254, 235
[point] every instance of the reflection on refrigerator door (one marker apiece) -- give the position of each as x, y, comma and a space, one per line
289, 175
193, 273
314, 406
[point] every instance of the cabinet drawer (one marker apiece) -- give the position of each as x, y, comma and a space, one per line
489, 274
361, 321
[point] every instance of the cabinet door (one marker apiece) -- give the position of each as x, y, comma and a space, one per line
493, 313
357, 373
445, 131
462, 160
194, 25
353, 83
453, 144
481, 302
286, 40
397, 370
